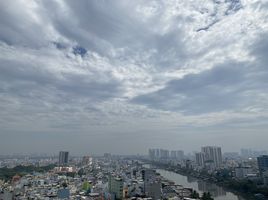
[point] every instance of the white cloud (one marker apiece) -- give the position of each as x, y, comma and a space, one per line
154, 65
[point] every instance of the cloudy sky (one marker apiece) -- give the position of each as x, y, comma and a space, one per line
123, 76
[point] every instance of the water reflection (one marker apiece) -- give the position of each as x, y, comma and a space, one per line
191, 179
200, 186
215, 190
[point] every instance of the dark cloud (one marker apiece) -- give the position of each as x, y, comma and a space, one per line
259, 50
221, 88
26, 79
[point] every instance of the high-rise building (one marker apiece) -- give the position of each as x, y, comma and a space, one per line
115, 185
213, 155
200, 159
157, 153
180, 155
242, 172
173, 154
107, 155
152, 153
86, 160
63, 158
263, 168
263, 163
148, 174
153, 189
246, 153
164, 154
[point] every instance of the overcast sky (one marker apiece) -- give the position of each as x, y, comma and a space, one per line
95, 76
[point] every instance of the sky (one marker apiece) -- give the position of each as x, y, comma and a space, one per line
124, 76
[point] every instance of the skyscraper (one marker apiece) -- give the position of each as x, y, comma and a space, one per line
200, 159
263, 163
63, 158
213, 155
263, 168
180, 155
86, 160
173, 154
152, 154
164, 154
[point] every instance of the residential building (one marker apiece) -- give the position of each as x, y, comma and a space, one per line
242, 172
63, 158
263, 163
200, 159
213, 155
115, 185
180, 155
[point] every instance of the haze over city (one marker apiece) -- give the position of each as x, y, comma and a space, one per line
125, 76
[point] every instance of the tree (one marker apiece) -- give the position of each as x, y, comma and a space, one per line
195, 195
64, 184
206, 196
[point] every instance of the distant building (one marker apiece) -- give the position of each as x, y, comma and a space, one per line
231, 155
265, 177
263, 163
242, 172
200, 159
153, 189
164, 154
161, 154
157, 153
107, 155
173, 154
149, 178
263, 168
152, 154
86, 160
148, 174
188, 164
180, 155
63, 158
213, 155
115, 185
63, 193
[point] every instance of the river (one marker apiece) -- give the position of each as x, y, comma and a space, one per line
218, 193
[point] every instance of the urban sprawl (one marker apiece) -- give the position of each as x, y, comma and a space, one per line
112, 177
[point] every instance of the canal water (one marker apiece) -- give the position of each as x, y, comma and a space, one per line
200, 186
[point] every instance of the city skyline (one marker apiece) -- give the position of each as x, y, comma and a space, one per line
126, 76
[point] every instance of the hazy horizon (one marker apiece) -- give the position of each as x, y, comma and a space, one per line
125, 76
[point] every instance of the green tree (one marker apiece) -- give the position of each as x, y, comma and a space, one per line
64, 184
195, 195
206, 196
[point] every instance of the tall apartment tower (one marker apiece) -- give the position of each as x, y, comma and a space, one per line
263, 163
63, 158
213, 155
180, 155
263, 168
200, 159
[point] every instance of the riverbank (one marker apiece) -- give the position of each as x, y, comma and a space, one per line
211, 180
244, 196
